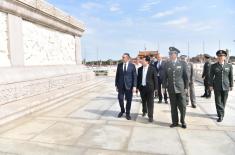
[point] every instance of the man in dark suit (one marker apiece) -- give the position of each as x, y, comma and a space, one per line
160, 66
147, 83
221, 80
176, 82
206, 76
125, 82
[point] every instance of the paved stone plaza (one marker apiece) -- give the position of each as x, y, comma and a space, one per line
88, 124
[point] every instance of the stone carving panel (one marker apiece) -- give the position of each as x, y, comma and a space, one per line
15, 91
4, 54
44, 46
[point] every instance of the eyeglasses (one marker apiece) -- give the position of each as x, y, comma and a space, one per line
221, 55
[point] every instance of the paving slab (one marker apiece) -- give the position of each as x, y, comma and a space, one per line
65, 133
155, 140
106, 137
207, 142
28, 130
9, 147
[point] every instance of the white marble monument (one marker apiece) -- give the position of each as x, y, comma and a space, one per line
40, 50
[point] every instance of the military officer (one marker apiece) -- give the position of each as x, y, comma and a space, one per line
176, 82
221, 80
191, 93
206, 76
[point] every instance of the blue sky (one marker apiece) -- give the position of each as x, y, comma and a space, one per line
117, 26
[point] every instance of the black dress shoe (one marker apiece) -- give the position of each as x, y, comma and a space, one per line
150, 119
144, 114
128, 117
184, 126
120, 114
203, 95
174, 125
208, 97
194, 105
166, 102
160, 101
220, 119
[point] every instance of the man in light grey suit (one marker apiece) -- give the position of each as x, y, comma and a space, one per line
160, 68
191, 92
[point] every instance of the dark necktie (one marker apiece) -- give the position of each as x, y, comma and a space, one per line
125, 68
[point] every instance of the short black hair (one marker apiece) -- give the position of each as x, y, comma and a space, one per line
147, 58
127, 54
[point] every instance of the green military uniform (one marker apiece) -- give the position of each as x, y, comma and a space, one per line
206, 76
176, 82
221, 81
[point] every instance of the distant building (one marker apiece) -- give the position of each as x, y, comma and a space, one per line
147, 53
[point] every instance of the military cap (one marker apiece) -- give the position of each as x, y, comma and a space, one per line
173, 50
207, 56
183, 56
221, 52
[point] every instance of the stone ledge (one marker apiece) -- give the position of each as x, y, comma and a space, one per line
20, 83
42, 102
43, 13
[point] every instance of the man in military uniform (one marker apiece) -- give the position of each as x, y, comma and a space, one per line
176, 82
191, 93
206, 76
221, 80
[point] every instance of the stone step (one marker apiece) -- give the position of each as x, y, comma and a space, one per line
44, 102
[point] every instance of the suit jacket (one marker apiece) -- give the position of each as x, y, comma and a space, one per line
128, 79
206, 70
161, 69
176, 78
221, 78
151, 78
190, 72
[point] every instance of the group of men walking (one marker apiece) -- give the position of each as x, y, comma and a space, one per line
173, 76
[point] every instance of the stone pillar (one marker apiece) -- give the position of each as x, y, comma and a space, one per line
78, 54
15, 40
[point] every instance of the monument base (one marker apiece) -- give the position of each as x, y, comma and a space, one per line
24, 90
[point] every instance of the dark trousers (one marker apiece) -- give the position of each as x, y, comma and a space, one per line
147, 96
220, 101
207, 88
160, 90
125, 94
178, 101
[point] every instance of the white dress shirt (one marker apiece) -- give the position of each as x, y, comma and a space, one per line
145, 70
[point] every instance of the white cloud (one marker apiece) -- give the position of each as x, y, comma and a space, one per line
178, 23
170, 12
183, 23
213, 6
200, 27
91, 5
147, 6
114, 8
